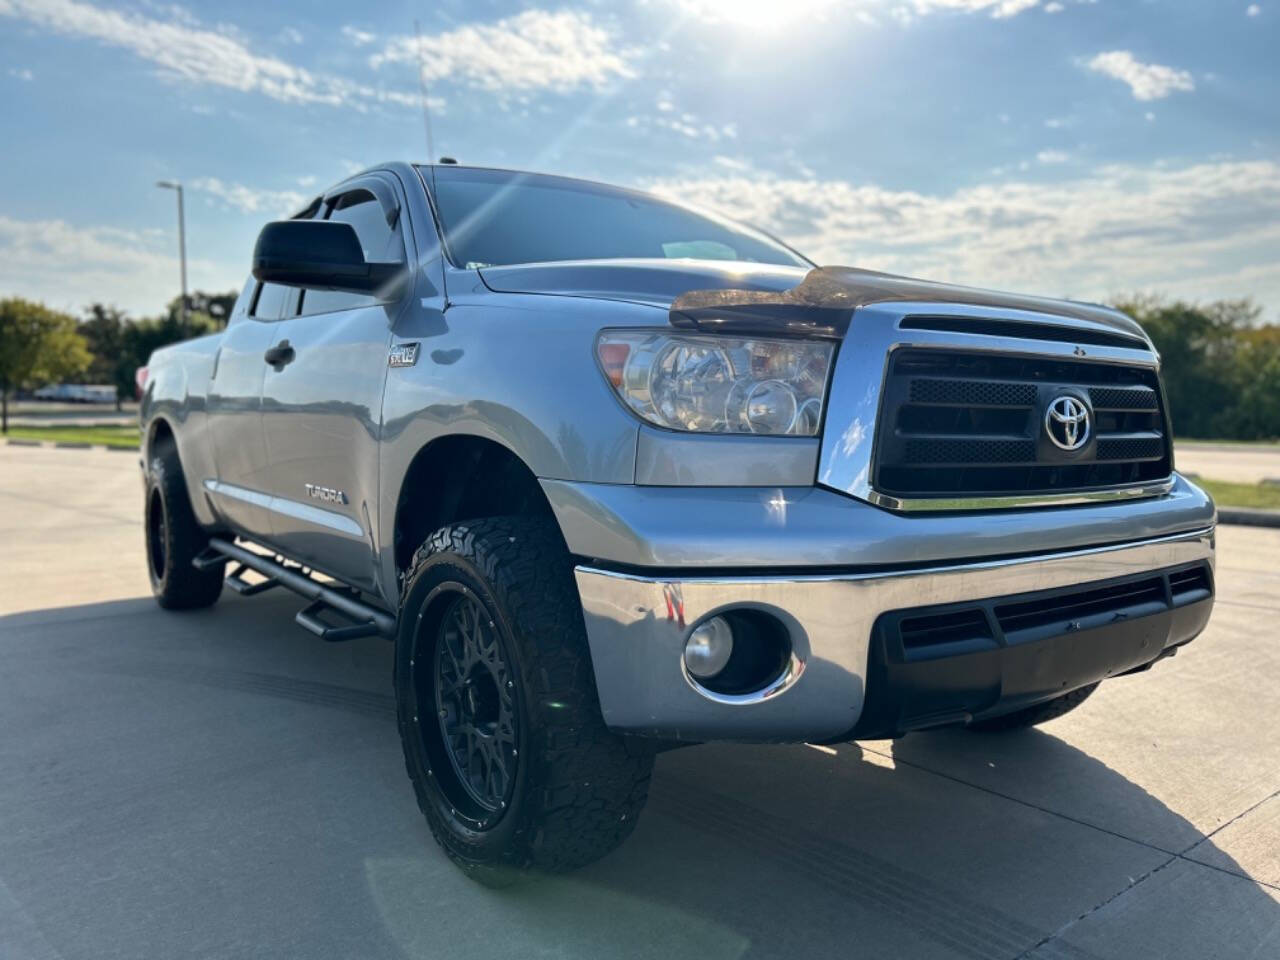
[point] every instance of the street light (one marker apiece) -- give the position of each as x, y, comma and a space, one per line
182, 245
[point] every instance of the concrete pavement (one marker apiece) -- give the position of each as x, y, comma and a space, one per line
220, 784
1233, 462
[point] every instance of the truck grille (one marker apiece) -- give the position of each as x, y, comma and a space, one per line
956, 423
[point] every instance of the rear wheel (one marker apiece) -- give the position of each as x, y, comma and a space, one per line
174, 539
503, 738
1037, 713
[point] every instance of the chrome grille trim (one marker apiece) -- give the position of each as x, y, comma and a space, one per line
853, 403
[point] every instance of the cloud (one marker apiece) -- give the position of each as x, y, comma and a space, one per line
1252, 10
1148, 81
687, 125
24, 74
184, 49
361, 38
999, 9
768, 14
249, 200
1053, 156
764, 14
536, 49
136, 271
1118, 228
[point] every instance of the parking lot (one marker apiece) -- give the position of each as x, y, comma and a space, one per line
221, 784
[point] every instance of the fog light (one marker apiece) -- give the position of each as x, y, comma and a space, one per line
709, 648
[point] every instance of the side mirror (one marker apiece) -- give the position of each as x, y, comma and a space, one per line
320, 255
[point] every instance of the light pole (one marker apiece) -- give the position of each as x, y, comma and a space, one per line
182, 246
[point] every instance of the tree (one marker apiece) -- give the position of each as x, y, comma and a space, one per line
218, 306
37, 345
215, 306
1200, 359
120, 345
144, 337
1256, 415
105, 330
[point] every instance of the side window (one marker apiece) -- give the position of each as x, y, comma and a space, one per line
270, 302
381, 243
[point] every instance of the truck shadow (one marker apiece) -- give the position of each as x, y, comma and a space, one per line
945, 844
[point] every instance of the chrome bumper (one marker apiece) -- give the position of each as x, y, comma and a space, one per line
637, 627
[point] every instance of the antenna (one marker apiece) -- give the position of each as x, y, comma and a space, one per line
422, 86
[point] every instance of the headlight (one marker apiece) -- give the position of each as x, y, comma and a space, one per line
713, 384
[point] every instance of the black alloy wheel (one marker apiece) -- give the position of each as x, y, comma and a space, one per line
470, 682
157, 534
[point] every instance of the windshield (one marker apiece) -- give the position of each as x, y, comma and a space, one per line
498, 217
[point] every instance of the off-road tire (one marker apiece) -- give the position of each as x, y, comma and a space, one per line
1035, 714
577, 789
174, 539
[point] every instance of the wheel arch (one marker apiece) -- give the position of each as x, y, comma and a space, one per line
159, 435
462, 477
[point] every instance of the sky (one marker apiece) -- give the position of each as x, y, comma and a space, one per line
1082, 148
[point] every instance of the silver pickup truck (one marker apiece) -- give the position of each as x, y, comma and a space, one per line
616, 475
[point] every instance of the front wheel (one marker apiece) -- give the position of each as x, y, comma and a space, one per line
503, 737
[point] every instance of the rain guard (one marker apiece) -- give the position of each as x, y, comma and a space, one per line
823, 304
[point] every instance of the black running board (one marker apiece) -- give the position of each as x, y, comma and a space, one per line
363, 619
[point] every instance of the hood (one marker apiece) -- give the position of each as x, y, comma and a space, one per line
656, 282
735, 297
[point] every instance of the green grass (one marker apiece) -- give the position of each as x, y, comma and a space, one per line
109, 436
1255, 495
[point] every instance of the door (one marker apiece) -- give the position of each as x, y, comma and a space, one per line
234, 408
322, 411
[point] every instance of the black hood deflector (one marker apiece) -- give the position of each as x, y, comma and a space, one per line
822, 304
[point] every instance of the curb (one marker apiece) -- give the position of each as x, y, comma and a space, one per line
68, 445
1242, 517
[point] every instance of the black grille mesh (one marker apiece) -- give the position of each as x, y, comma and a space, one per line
960, 424
1109, 398
927, 390
1130, 448
948, 451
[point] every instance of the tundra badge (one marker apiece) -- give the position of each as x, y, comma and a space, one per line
327, 494
403, 355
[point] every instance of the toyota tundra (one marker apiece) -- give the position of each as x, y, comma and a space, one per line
616, 475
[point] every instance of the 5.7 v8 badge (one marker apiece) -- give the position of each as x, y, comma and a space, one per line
403, 355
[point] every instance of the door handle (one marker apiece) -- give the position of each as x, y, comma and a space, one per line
279, 355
